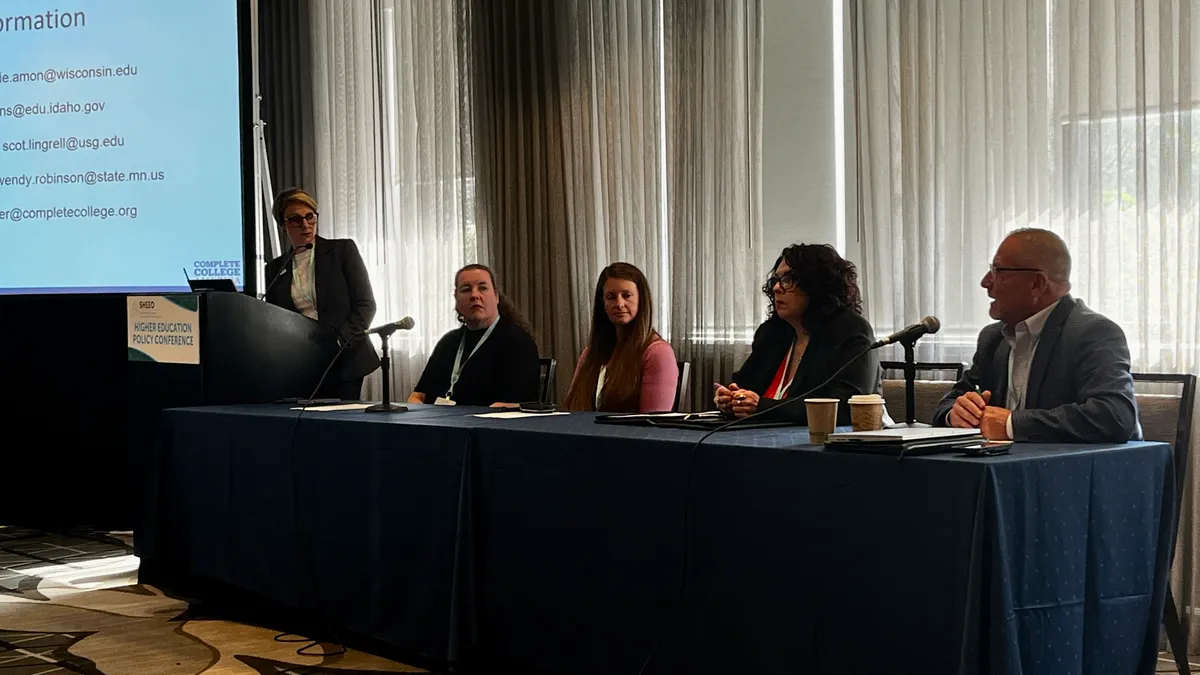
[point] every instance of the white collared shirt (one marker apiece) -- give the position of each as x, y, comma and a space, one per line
304, 288
1023, 340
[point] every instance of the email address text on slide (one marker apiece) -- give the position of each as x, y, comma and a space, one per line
85, 178
17, 214
52, 75
113, 127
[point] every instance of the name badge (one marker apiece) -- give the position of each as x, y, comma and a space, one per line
442, 400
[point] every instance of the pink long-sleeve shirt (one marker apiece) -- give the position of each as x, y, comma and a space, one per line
660, 377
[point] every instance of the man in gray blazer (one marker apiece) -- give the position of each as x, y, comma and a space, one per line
1050, 369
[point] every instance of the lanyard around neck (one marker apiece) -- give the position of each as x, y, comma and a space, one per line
458, 358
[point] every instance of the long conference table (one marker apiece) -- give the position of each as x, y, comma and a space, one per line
567, 546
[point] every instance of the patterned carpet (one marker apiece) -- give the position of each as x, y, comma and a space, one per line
70, 603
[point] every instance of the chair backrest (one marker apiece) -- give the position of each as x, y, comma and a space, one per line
683, 386
928, 394
1168, 418
927, 367
928, 391
547, 369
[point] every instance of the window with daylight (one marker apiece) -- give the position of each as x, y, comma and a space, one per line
1077, 117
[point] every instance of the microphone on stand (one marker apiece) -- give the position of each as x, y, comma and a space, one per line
386, 329
283, 270
385, 363
927, 326
908, 337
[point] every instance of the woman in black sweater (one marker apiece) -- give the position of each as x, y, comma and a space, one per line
814, 327
491, 360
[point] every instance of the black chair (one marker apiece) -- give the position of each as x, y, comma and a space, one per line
1168, 418
928, 391
547, 368
683, 386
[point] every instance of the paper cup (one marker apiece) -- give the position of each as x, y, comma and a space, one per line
866, 412
822, 418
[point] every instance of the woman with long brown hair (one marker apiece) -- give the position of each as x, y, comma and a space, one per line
627, 366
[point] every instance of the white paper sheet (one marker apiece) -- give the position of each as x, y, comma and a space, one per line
515, 415
336, 407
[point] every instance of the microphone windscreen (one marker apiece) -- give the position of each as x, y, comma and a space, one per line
932, 324
406, 323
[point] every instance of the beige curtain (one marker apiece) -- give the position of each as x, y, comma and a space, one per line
624, 130
975, 117
567, 131
714, 169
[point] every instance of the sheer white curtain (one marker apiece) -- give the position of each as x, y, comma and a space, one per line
612, 108
624, 130
713, 72
976, 117
394, 166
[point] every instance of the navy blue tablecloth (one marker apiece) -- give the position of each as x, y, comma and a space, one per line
564, 545
367, 541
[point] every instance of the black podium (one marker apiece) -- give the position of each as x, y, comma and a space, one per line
249, 352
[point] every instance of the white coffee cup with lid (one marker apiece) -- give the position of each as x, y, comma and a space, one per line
866, 412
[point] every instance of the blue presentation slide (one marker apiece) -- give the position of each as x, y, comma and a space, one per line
120, 145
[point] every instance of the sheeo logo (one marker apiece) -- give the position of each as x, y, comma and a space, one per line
145, 304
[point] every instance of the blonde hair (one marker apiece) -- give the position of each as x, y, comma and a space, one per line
288, 196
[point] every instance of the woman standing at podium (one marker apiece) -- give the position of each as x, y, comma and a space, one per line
325, 280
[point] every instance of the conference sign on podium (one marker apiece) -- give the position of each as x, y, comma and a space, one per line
164, 328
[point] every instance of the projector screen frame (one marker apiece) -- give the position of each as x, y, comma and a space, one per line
247, 65
247, 139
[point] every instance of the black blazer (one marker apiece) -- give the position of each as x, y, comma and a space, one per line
344, 299
1080, 388
838, 340
506, 369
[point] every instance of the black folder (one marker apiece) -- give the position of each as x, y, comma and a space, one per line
705, 421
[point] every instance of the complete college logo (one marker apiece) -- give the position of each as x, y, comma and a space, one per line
217, 269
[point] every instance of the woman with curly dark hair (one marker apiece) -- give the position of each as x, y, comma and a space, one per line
814, 326
491, 360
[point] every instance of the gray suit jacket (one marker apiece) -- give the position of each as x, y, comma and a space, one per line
1080, 388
